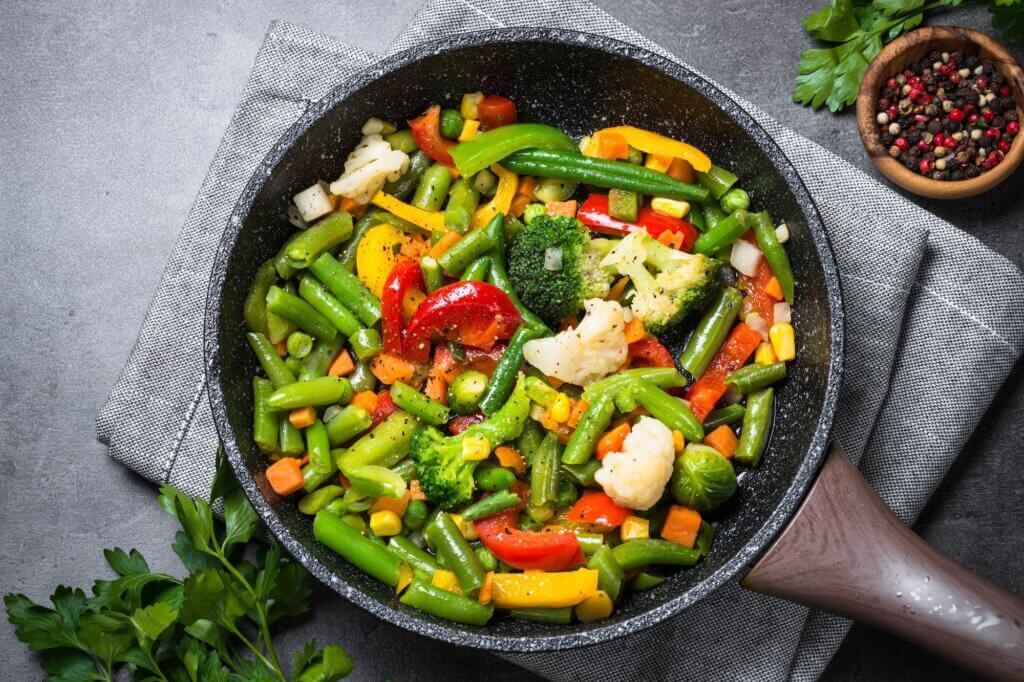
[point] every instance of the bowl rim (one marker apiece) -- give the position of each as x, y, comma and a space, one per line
867, 96
425, 624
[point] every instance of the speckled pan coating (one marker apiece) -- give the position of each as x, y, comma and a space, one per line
578, 82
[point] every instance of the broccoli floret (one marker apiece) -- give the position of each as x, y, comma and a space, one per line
556, 294
445, 475
681, 283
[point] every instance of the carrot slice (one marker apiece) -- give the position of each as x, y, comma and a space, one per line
391, 368
722, 439
681, 525
612, 146
285, 476
612, 440
446, 242
510, 458
342, 365
634, 330
365, 399
301, 417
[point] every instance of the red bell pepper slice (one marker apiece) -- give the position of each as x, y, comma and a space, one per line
464, 421
649, 353
480, 360
599, 509
426, 131
494, 112
528, 550
471, 313
710, 387
402, 279
757, 299
594, 214
385, 407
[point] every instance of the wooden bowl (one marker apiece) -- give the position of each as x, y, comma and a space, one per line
908, 49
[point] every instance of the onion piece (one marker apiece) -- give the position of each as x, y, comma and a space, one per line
313, 202
782, 312
745, 257
553, 258
758, 324
782, 233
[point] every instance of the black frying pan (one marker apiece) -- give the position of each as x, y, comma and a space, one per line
578, 83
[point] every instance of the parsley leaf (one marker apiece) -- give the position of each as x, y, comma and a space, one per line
328, 665
240, 519
125, 563
834, 23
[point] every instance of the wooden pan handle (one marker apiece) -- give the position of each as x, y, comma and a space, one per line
844, 552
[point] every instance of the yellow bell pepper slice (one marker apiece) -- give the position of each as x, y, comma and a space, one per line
541, 589
508, 183
433, 221
653, 143
376, 255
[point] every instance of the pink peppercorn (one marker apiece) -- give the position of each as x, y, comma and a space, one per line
891, 84
1012, 128
970, 108
956, 115
954, 78
1004, 145
923, 146
925, 166
988, 114
973, 118
902, 143
993, 133
893, 112
1004, 91
981, 81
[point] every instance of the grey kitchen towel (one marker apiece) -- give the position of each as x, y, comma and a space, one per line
922, 300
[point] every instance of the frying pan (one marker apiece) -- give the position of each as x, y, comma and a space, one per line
842, 550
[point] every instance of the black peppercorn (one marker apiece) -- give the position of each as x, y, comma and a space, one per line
952, 126
998, 122
986, 69
1006, 104
934, 126
956, 175
914, 136
972, 171
934, 56
998, 78
1010, 115
888, 138
972, 61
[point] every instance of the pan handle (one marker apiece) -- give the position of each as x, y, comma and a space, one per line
844, 552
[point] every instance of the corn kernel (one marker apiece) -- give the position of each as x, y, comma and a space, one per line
445, 580
468, 105
783, 341
678, 442
764, 355
594, 607
475, 448
635, 528
404, 577
560, 408
467, 528
385, 523
670, 207
469, 130
658, 162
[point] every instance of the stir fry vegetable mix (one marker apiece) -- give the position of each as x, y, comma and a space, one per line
464, 382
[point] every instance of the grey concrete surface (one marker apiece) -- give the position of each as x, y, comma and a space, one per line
109, 115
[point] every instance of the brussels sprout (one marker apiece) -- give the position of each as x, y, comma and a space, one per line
702, 478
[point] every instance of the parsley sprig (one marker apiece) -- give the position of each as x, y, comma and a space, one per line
214, 625
858, 29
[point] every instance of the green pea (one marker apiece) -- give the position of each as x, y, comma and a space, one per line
299, 344
451, 124
416, 515
466, 390
567, 494
735, 200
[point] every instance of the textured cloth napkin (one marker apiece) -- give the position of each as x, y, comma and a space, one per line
922, 300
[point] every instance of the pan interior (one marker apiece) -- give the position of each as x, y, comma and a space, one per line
578, 84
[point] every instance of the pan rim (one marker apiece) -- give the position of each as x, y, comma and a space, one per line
424, 624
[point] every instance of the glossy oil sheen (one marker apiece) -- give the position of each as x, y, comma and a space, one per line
579, 83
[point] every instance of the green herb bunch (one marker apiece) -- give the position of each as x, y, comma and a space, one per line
859, 29
213, 626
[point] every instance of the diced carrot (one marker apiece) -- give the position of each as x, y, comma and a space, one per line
563, 208
561, 430
413, 246
576, 413
510, 458
722, 439
612, 146
615, 292
411, 301
634, 330
612, 440
678, 239
680, 169
446, 242
281, 348
415, 491
487, 589
554, 382
365, 399
394, 504
666, 237
519, 204
352, 206
342, 365
526, 187
773, 288
285, 476
391, 368
301, 417
437, 386
681, 525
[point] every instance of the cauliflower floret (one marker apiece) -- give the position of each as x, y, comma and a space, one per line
372, 163
594, 349
636, 477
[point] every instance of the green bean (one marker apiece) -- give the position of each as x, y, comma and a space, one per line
444, 604
594, 422
734, 200
406, 469
725, 232
590, 543
432, 275
636, 553
487, 560
416, 515
503, 379
348, 423
458, 555
540, 513
774, 252
272, 364
254, 309
402, 140
545, 470
462, 202
319, 447
373, 480
299, 345
320, 391
265, 422
663, 377
366, 343
290, 439
582, 474
755, 377
555, 616
313, 502
294, 365
485, 182
704, 537
696, 218
466, 390
362, 377
359, 551
490, 505
306, 246
728, 415
299, 313
404, 186
433, 188
314, 478
403, 548
567, 494
712, 214
625, 401
645, 581
456, 259
499, 274
354, 520
529, 440
757, 424
540, 391
418, 405
315, 364
717, 180
386, 445
477, 270
352, 293
671, 411
278, 328
711, 332
358, 501
609, 574
492, 477
451, 124
319, 299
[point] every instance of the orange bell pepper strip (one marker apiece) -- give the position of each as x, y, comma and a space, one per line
710, 387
